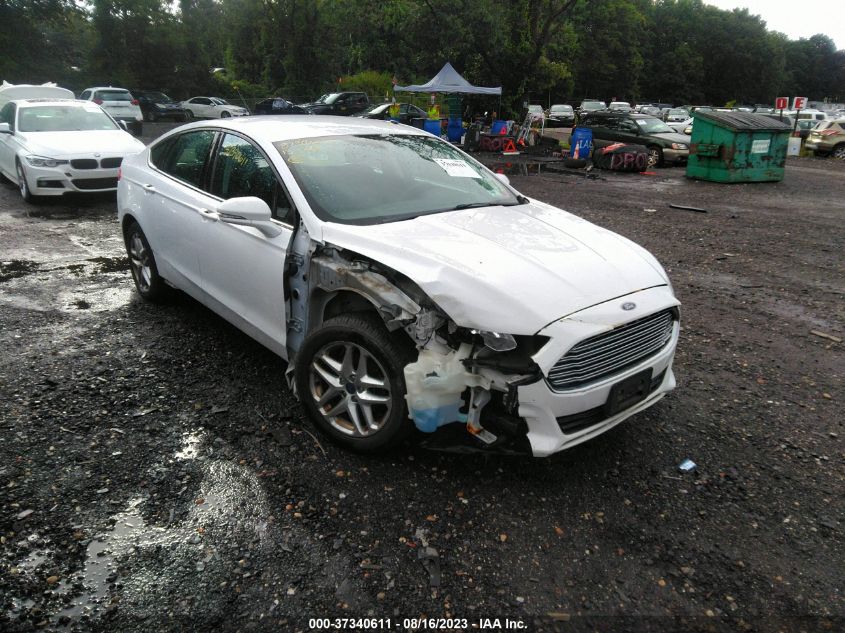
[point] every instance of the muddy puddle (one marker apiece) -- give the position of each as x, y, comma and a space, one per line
135, 565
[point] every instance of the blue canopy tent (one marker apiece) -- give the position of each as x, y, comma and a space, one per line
449, 81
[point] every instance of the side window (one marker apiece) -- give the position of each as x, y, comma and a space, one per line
86, 94
627, 125
185, 156
202, 101
7, 115
242, 170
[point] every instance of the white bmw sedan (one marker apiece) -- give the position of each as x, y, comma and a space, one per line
52, 147
405, 284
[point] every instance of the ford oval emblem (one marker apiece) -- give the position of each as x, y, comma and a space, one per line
629, 306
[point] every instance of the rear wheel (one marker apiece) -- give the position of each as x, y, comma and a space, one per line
142, 262
224, 115
349, 377
839, 152
655, 156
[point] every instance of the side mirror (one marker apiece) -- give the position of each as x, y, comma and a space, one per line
504, 179
4, 128
123, 125
248, 211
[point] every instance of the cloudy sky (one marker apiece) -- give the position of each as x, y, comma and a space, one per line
794, 18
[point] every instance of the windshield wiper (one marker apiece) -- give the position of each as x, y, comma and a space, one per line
475, 205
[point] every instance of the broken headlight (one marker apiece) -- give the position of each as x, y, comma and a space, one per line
496, 341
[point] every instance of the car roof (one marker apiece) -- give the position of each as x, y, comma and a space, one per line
275, 128
32, 102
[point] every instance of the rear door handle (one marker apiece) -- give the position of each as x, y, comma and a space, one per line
209, 214
149, 189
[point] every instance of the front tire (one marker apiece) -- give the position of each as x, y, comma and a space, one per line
655, 156
23, 185
839, 152
189, 115
225, 115
142, 262
349, 377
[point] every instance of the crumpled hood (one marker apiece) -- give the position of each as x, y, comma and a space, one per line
104, 142
506, 269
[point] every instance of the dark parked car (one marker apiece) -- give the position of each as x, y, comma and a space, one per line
665, 145
278, 105
407, 111
560, 115
590, 105
340, 103
156, 105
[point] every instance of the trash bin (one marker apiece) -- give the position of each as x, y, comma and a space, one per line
432, 126
418, 122
455, 129
737, 147
580, 143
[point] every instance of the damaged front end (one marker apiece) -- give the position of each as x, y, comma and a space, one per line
461, 390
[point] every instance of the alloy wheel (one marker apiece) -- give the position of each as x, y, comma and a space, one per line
350, 388
839, 152
653, 157
22, 184
139, 259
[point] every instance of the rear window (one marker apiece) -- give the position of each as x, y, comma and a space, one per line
113, 95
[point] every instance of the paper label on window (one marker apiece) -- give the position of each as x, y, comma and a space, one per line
760, 147
456, 168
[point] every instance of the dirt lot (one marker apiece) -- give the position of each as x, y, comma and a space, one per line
155, 473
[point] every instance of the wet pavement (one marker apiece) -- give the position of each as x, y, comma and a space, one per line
156, 473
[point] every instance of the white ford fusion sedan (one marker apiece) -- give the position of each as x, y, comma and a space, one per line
50, 147
405, 284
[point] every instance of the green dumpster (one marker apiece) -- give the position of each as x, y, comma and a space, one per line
737, 147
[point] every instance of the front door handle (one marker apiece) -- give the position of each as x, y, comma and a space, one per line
149, 189
210, 215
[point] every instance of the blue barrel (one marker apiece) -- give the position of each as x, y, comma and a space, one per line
432, 126
498, 126
582, 138
455, 130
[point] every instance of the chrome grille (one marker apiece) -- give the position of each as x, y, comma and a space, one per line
610, 352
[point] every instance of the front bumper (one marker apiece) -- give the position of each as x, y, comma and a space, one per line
57, 181
549, 413
675, 156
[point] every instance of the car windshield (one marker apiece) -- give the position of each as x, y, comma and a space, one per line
60, 118
593, 105
377, 109
113, 95
158, 97
653, 126
329, 98
561, 108
369, 179
679, 111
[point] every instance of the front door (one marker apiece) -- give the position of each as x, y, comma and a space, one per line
243, 269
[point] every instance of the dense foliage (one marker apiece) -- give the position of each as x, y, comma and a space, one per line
681, 51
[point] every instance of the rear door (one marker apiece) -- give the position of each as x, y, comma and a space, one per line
243, 269
8, 142
176, 205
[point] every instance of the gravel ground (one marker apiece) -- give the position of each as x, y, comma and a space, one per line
156, 473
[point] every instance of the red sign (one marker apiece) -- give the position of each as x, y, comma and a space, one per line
799, 103
781, 103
